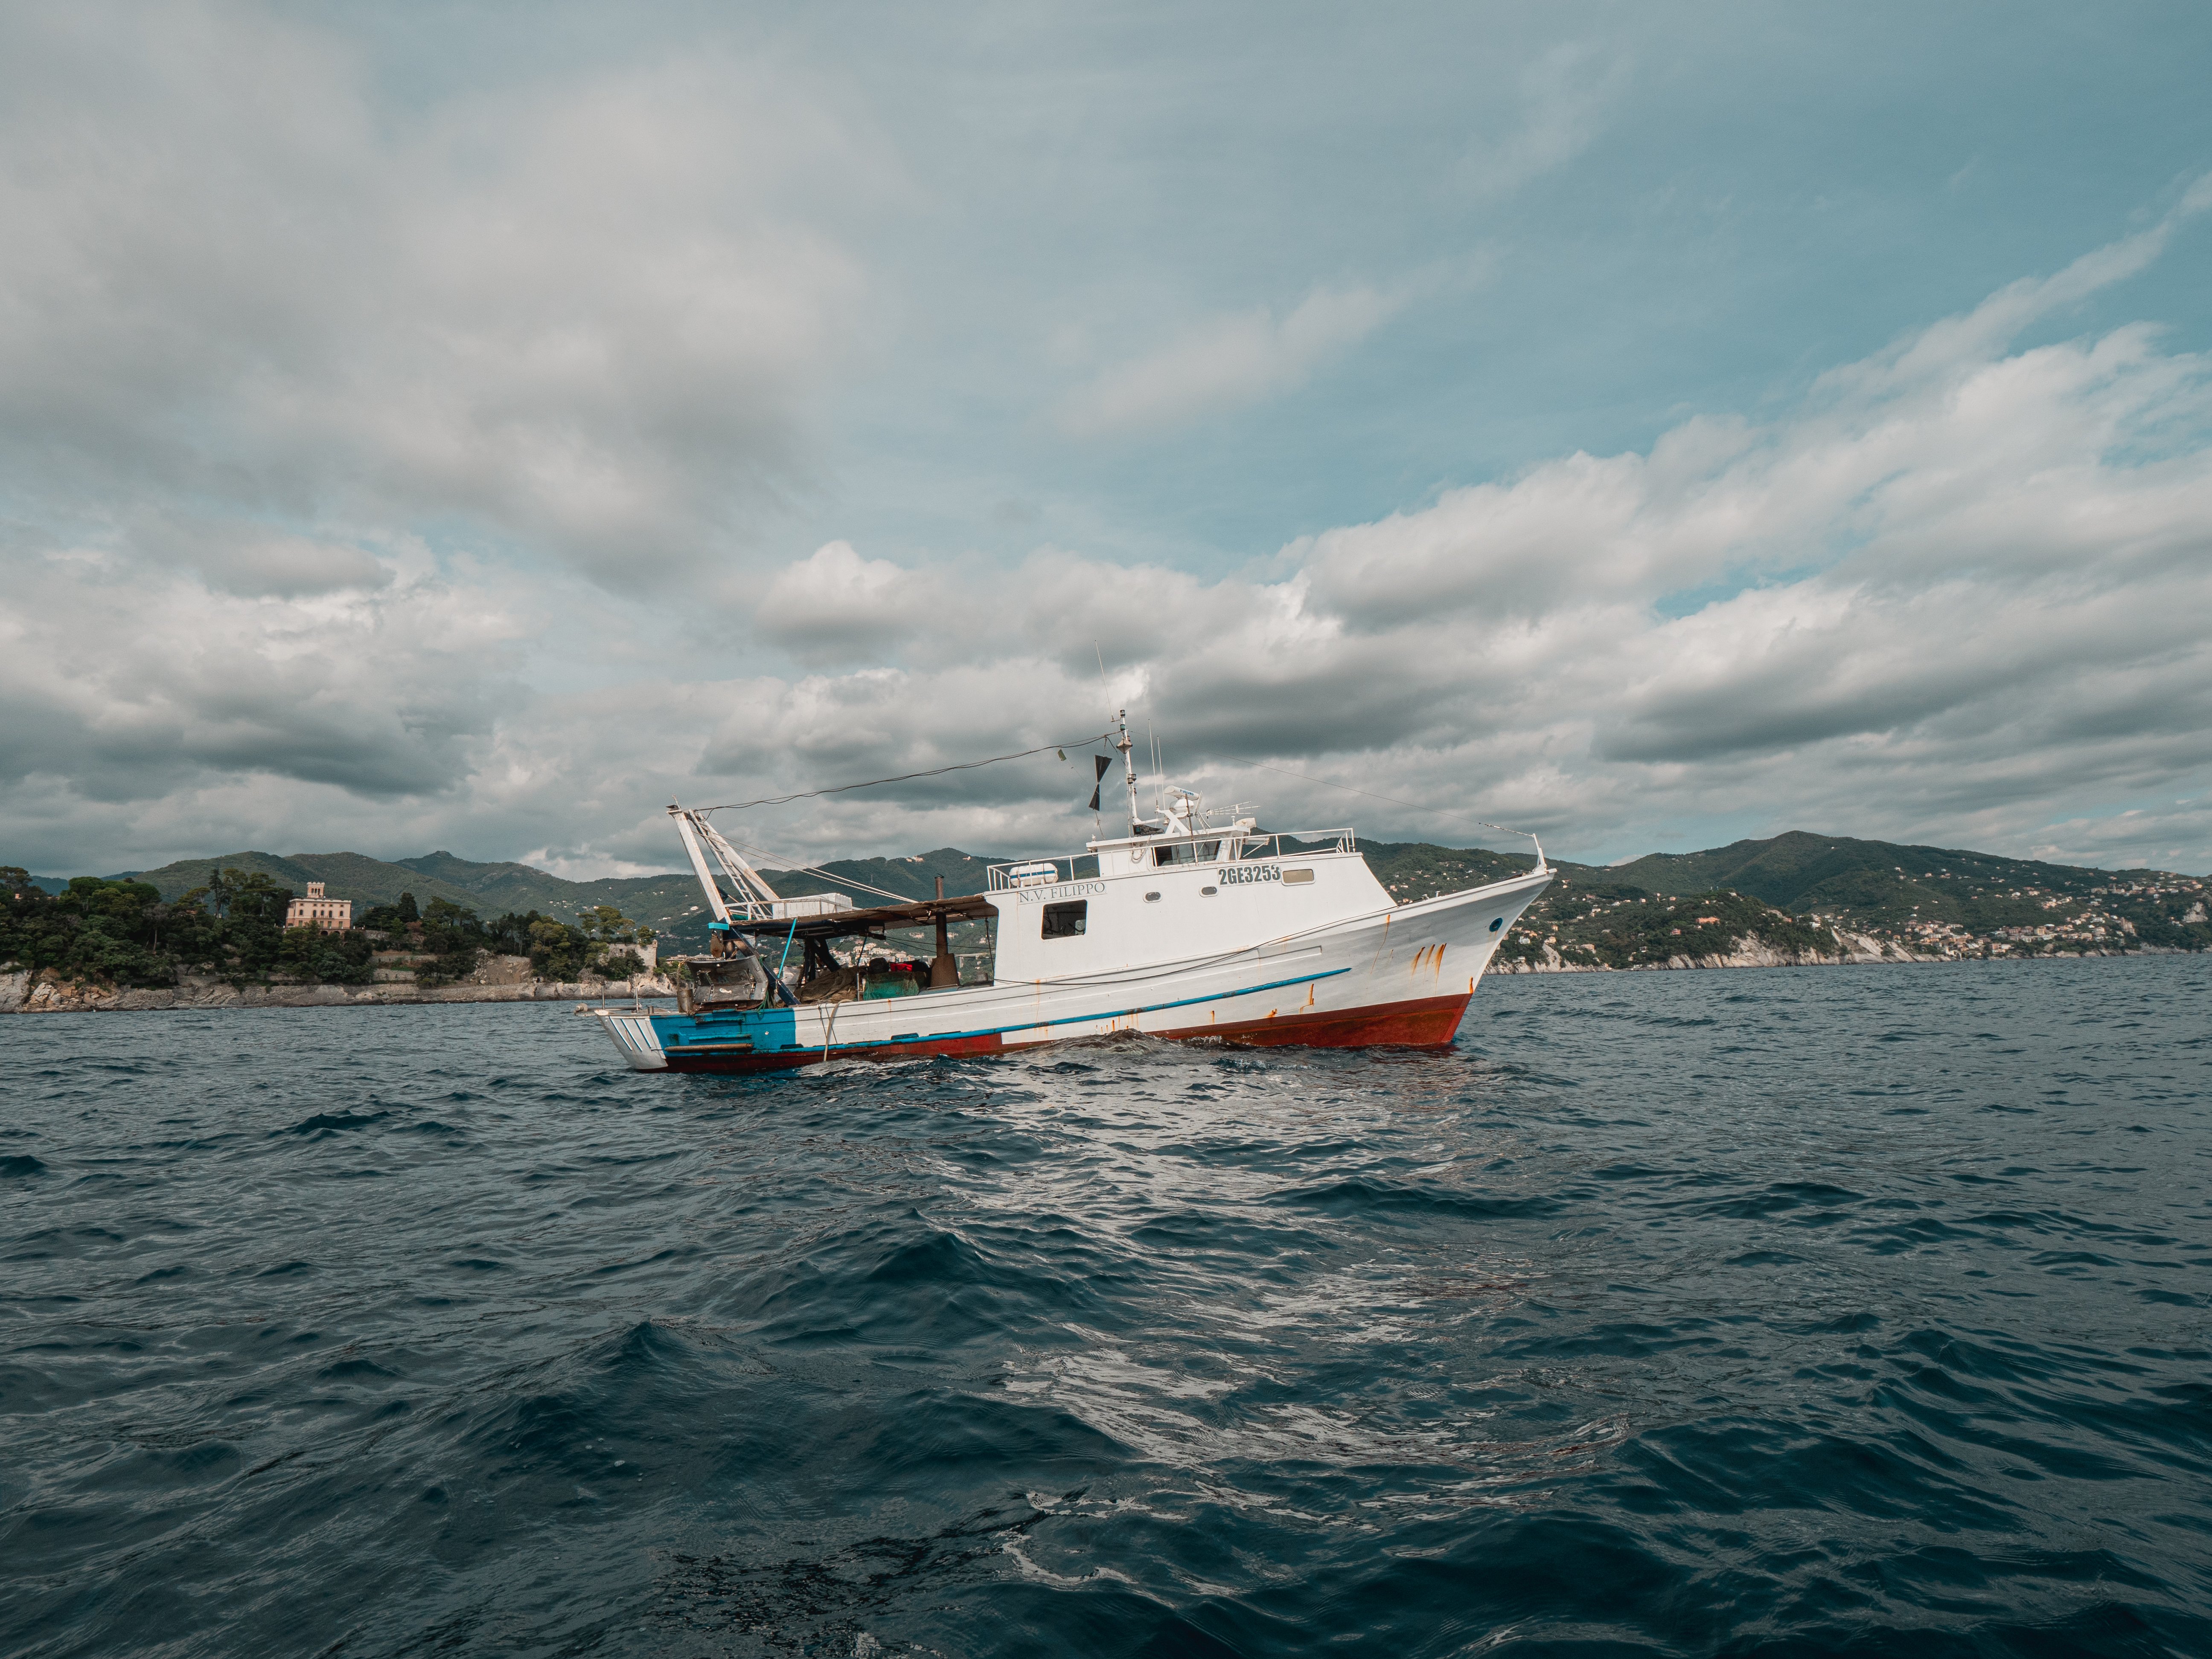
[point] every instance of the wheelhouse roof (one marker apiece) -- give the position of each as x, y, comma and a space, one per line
841, 923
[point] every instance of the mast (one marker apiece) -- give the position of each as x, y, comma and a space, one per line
1127, 747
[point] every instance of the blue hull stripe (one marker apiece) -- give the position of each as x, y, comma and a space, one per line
1026, 1025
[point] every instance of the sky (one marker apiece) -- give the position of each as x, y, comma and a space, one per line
475, 426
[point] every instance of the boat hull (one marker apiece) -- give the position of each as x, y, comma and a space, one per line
1399, 977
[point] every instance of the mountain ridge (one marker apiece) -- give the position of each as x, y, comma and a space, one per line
1941, 900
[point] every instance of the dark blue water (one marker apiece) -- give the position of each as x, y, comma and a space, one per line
1859, 1310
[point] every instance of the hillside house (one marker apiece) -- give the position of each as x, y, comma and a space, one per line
316, 911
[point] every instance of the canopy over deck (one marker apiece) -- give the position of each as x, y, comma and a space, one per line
847, 924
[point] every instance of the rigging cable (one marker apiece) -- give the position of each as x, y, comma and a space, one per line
907, 777
784, 867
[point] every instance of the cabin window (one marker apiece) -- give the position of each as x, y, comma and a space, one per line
1292, 877
1065, 921
1185, 852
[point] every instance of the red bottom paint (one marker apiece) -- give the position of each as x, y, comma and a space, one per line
1425, 1022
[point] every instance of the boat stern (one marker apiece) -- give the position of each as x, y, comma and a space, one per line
631, 1030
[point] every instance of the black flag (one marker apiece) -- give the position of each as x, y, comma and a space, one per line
1098, 782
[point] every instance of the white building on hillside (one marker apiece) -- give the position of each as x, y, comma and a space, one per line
316, 911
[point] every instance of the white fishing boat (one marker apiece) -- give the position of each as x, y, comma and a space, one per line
1197, 924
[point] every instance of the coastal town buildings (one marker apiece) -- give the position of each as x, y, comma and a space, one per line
316, 911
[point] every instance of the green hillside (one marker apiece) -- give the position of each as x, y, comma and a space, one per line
1411, 870
669, 904
1599, 923
1937, 893
1943, 901
364, 880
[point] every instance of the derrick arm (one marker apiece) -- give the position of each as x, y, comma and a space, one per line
715, 901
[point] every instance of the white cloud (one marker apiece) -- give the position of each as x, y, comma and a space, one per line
835, 605
1958, 594
1227, 363
1564, 95
261, 335
592, 316
117, 679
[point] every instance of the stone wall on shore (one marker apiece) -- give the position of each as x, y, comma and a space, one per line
22, 991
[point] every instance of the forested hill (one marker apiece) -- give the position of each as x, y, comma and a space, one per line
1929, 901
665, 904
1946, 900
1800, 871
487, 888
1874, 885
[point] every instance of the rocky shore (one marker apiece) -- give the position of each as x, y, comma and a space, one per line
24, 992
1749, 951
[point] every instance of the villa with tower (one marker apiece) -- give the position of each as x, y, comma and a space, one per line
316, 911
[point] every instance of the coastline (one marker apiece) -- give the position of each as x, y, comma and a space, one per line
23, 992
1751, 951
1754, 953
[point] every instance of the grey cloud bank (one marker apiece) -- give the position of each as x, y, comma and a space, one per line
387, 474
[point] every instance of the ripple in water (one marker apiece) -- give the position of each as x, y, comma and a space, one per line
1737, 1313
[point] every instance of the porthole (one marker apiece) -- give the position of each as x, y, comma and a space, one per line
1151, 898
1207, 892
1496, 922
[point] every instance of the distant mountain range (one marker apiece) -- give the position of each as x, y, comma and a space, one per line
1928, 896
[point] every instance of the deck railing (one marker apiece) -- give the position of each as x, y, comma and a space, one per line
1200, 847
1038, 872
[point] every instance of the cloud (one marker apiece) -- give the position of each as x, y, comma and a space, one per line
1565, 94
1225, 363
1967, 342
835, 606
371, 468
248, 560
2167, 837
592, 317
1959, 589
123, 687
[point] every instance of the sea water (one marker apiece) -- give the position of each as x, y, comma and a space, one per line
1858, 1309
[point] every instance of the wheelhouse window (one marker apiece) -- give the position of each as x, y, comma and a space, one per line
1185, 852
1065, 921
